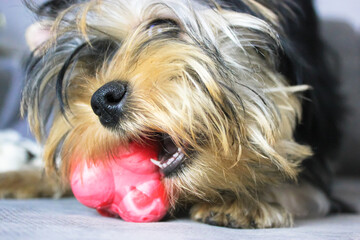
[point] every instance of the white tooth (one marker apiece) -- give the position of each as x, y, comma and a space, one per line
181, 155
157, 163
175, 155
170, 160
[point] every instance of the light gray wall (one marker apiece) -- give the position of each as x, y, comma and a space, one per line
341, 10
17, 19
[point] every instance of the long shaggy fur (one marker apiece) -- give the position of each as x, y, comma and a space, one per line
225, 79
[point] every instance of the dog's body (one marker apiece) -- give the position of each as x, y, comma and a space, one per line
240, 88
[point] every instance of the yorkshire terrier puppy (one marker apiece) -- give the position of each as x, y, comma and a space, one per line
237, 93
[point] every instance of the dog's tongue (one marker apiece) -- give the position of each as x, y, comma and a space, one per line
129, 186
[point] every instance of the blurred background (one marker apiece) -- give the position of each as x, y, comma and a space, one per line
340, 23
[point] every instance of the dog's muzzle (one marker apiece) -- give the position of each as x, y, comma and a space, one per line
108, 102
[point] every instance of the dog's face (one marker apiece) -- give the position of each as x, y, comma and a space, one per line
197, 78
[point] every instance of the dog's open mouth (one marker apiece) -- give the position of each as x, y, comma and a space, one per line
170, 157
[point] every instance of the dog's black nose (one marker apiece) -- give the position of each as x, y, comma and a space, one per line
107, 102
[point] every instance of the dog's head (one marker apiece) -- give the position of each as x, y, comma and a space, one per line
196, 77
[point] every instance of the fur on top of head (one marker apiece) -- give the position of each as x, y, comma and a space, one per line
202, 74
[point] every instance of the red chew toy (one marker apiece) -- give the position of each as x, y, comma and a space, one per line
129, 186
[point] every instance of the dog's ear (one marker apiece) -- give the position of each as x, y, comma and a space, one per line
46, 12
37, 33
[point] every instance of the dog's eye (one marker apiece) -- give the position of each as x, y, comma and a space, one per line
158, 22
167, 26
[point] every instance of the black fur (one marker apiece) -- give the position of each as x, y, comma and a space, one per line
94, 51
304, 59
50, 9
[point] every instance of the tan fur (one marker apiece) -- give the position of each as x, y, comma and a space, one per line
241, 214
30, 184
245, 153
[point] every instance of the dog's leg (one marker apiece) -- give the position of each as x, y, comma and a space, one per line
32, 183
242, 214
